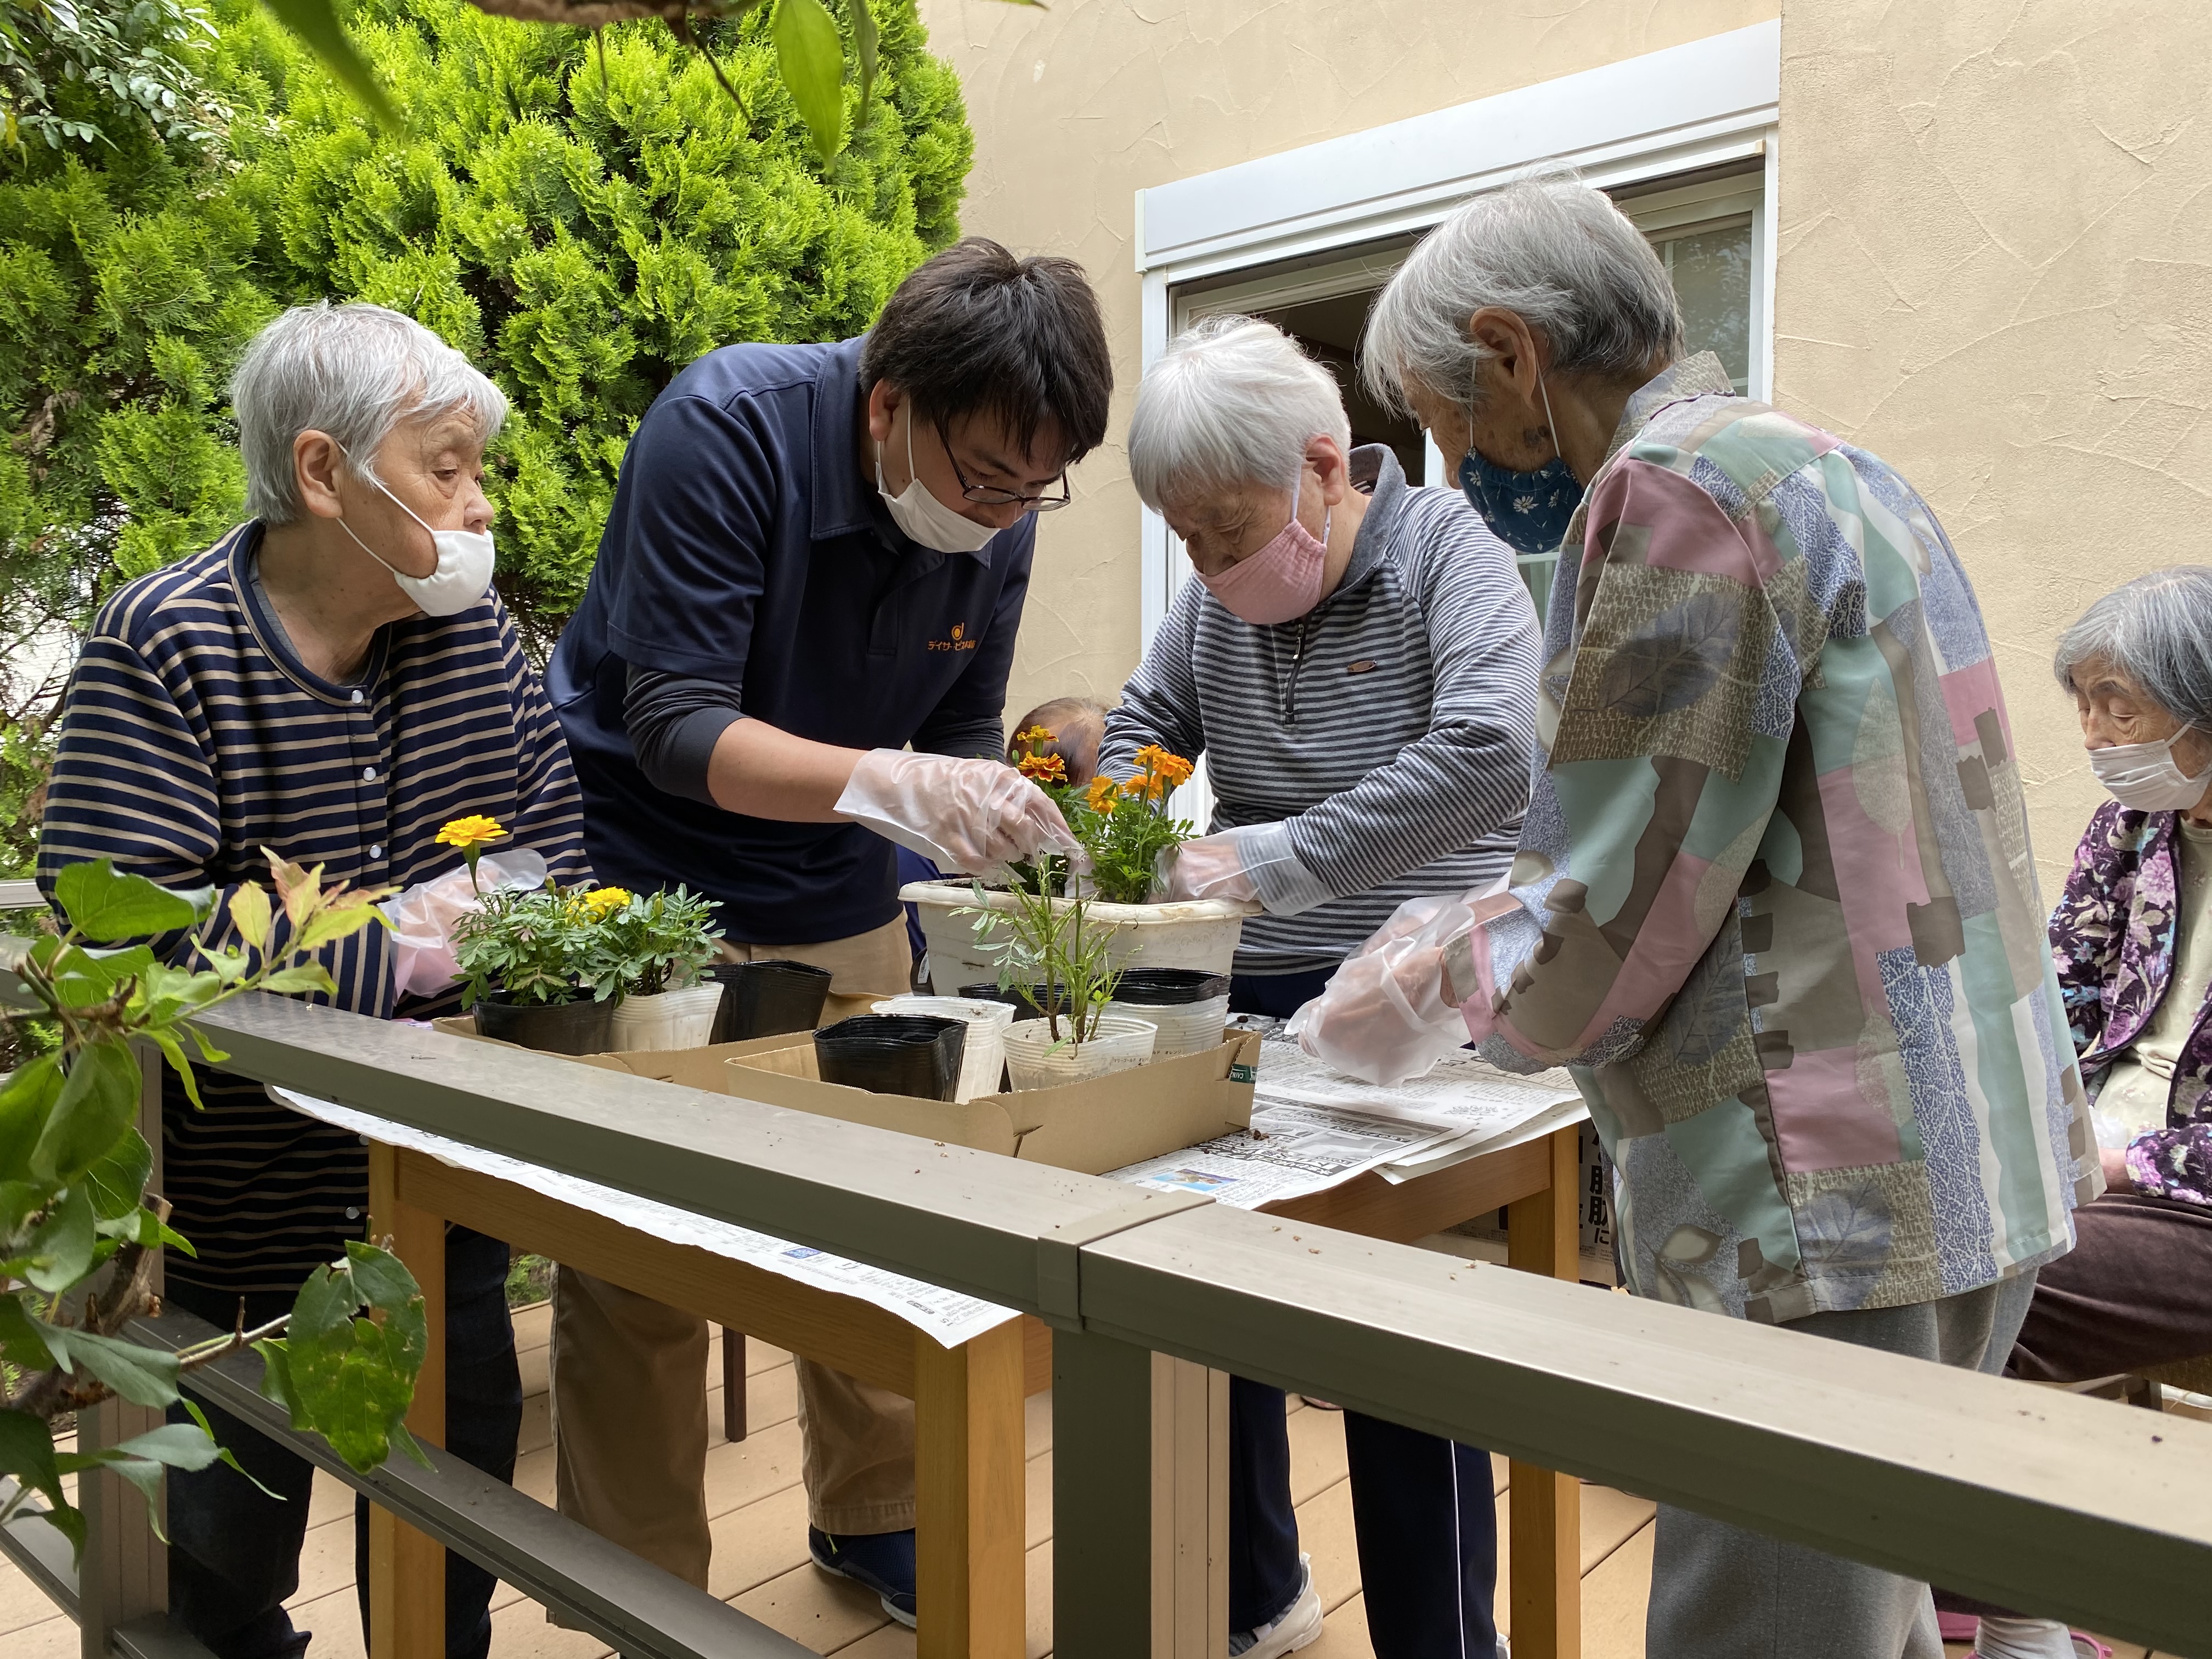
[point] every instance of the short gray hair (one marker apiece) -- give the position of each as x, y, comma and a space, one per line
1232, 402
356, 372
1549, 248
2157, 631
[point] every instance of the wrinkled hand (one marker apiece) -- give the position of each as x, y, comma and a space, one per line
1209, 867
975, 816
2117, 1179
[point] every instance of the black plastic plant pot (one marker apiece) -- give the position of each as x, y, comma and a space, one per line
577, 1026
1018, 997
767, 999
916, 1055
1169, 988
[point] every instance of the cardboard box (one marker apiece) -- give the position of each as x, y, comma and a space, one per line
1091, 1126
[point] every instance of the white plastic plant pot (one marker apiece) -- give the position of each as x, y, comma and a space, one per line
983, 1059
1184, 1029
667, 1019
1036, 1060
1194, 933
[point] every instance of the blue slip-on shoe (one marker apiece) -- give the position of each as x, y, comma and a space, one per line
883, 1561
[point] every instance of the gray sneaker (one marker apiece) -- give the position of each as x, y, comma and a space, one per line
1294, 1630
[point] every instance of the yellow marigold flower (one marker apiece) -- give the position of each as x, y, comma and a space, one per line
473, 831
1101, 794
1031, 736
1043, 768
1146, 785
602, 902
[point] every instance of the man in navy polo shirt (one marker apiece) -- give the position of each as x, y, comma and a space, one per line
817, 557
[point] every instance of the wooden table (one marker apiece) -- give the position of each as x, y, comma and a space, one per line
970, 1507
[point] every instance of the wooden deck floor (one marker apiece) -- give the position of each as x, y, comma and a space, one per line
760, 1564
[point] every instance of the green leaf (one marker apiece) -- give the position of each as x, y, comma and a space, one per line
174, 1051
61, 1250
144, 1376
250, 915
107, 906
120, 1176
98, 1101
277, 1378
351, 1380
864, 48
222, 1451
21, 1343
27, 1101
316, 22
27, 1451
812, 62
307, 977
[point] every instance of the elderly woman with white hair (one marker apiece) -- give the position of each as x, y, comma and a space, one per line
1774, 901
1357, 663
334, 680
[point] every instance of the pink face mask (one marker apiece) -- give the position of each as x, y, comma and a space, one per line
1279, 583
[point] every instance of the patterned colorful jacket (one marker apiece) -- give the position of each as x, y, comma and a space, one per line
2112, 938
1774, 903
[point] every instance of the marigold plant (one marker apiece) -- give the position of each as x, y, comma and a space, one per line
1125, 826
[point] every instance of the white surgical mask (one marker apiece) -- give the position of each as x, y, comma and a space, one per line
464, 572
2143, 776
921, 516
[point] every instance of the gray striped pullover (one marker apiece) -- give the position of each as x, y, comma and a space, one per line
1389, 730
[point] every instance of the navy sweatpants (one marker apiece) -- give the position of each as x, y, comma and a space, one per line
1422, 1506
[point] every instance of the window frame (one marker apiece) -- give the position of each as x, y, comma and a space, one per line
1301, 222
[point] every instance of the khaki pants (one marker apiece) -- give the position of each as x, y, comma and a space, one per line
629, 1378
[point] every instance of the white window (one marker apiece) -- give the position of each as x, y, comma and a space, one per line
1684, 139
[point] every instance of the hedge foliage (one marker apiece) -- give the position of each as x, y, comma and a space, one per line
582, 215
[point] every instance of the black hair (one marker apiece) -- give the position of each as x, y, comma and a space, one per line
976, 331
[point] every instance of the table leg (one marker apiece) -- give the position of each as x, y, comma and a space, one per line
1543, 1235
733, 1384
407, 1568
970, 1510
1190, 1508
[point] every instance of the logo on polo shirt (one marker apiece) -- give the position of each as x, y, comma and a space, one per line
956, 642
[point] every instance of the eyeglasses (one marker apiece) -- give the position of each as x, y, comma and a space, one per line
984, 495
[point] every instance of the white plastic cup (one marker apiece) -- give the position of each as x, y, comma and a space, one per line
1036, 1060
666, 1020
1186, 1028
984, 1055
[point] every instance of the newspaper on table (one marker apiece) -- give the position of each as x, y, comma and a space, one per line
1316, 1128
949, 1316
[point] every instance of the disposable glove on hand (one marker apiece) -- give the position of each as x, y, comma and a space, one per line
422, 917
1391, 1012
975, 816
1255, 861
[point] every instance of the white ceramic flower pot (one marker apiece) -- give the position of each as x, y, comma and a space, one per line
1034, 1060
1185, 1028
1195, 933
983, 1057
668, 1019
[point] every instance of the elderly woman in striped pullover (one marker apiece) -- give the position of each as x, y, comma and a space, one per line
333, 679
1357, 663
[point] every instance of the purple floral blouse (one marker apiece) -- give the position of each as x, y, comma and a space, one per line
2112, 937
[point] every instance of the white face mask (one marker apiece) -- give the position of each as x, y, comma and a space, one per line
2143, 776
921, 516
464, 559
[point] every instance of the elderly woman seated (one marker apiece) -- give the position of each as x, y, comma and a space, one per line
1357, 662
2133, 942
334, 680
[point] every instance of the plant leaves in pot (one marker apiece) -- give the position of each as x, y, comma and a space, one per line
766, 998
524, 957
651, 947
1189, 1006
916, 1055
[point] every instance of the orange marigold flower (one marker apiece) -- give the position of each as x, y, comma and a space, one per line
1043, 768
1146, 785
1101, 794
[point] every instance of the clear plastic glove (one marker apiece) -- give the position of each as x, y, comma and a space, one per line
1390, 1013
1211, 867
422, 917
975, 816
1253, 861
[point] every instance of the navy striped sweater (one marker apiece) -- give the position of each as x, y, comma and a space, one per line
1390, 729
191, 738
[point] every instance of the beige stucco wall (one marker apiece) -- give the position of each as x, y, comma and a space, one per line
1996, 272
1077, 108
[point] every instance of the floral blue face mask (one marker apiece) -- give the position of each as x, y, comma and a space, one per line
1529, 512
